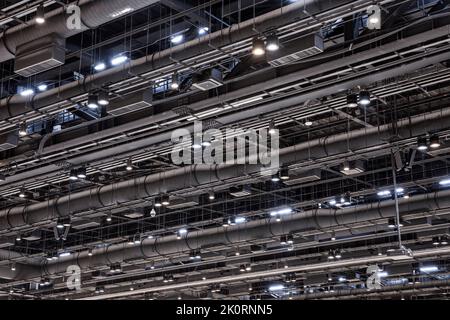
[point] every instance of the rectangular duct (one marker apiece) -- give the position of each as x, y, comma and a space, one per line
208, 80
183, 203
40, 55
296, 50
303, 177
9, 141
131, 102
7, 242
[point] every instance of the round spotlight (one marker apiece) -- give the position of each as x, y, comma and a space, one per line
364, 97
258, 47
103, 98
40, 15
23, 129
175, 85
272, 43
352, 100
434, 141
92, 101
422, 144
129, 166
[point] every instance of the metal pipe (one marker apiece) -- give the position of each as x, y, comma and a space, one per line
228, 119
17, 105
252, 230
43, 213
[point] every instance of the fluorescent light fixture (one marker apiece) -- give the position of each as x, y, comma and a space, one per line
384, 193
400, 190
118, 60
429, 269
182, 231
281, 212
342, 279
277, 287
247, 101
202, 31
27, 92
239, 220
444, 182
177, 39
42, 87
100, 66
64, 254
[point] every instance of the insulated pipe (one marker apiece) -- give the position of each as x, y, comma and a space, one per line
279, 81
93, 14
17, 105
253, 230
227, 119
43, 213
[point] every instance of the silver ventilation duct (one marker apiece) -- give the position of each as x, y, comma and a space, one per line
188, 177
253, 230
16, 105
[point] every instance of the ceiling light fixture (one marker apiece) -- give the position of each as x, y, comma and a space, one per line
434, 141
118, 60
158, 202
422, 144
202, 31
174, 85
129, 166
27, 92
272, 43
40, 14
272, 127
92, 101
22, 193
103, 98
23, 129
364, 97
284, 174
258, 48
100, 66
352, 100
165, 200
177, 39
81, 173
42, 87
73, 175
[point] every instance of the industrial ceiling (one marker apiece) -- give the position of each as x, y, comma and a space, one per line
354, 93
